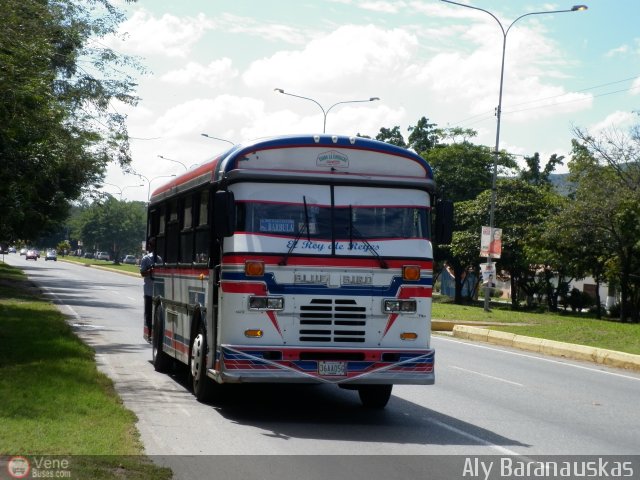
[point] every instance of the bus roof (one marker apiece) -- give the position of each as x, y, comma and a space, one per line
308, 156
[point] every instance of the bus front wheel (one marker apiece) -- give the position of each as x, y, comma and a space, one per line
202, 385
374, 396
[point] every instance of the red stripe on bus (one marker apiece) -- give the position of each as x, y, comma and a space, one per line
256, 288
325, 261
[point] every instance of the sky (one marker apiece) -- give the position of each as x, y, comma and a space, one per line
213, 67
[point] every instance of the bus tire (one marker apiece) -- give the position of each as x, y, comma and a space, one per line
201, 384
374, 396
161, 361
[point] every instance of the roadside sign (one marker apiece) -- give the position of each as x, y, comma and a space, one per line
491, 243
488, 271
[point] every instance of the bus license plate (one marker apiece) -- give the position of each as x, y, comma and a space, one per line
332, 368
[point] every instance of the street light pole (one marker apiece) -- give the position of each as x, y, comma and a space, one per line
151, 180
217, 138
324, 112
122, 189
496, 151
114, 185
176, 161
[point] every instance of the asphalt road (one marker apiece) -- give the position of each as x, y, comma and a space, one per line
487, 401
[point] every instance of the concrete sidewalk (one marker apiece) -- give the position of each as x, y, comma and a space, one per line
600, 356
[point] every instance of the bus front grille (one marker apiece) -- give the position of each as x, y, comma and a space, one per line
332, 320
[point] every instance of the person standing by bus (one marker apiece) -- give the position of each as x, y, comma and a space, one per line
146, 270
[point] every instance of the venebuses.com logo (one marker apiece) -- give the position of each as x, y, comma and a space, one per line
38, 467
18, 467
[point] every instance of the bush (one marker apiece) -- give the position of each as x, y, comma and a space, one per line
614, 311
577, 300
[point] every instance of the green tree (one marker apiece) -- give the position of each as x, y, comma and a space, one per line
392, 136
455, 134
462, 172
606, 174
521, 210
57, 130
537, 176
114, 226
423, 136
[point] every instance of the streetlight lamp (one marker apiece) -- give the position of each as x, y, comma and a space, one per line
151, 180
122, 189
114, 185
176, 161
324, 112
217, 138
575, 8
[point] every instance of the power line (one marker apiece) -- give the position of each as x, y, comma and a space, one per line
490, 114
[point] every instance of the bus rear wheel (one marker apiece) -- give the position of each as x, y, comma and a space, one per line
201, 384
374, 396
161, 361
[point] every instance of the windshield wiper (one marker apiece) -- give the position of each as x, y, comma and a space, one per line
299, 235
352, 230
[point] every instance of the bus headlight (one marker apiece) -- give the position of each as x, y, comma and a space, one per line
266, 303
396, 305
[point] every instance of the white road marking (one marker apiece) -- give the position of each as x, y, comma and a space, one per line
503, 450
488, 376
550, 360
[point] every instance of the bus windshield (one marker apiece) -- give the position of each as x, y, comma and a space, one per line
326, 222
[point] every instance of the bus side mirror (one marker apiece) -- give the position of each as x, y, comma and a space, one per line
224, 214
443, 227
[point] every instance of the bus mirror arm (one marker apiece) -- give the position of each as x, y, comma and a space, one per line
224, 214
443, 225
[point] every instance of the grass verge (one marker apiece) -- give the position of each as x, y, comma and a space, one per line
571, 328
90, 262
54, 400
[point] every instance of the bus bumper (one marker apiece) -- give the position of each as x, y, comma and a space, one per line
317, 365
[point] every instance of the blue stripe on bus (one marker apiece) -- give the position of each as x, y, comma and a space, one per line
228, 159
276, 288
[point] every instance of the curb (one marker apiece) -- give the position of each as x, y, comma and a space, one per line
105, 267
123, 272
601, 356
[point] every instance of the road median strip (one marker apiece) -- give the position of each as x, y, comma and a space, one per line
610, 358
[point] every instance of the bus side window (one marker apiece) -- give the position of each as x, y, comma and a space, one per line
201, 221
186, 231
173, 232
161, 239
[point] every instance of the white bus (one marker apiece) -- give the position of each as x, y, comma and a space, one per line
297, 259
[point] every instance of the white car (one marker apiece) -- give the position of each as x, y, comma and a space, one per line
102, 256
51, 255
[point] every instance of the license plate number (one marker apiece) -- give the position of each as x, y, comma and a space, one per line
332, 368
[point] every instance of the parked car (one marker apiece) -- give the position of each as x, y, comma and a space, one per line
102, 256
130, 259
51, 255
88, 255
31, 255
12, 249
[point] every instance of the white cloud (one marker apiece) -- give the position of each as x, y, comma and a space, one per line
621, 50
208, 115
217, 73
635, 87
619, 120
258, 28
349, 54
383, 6
168, 35
473, 77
